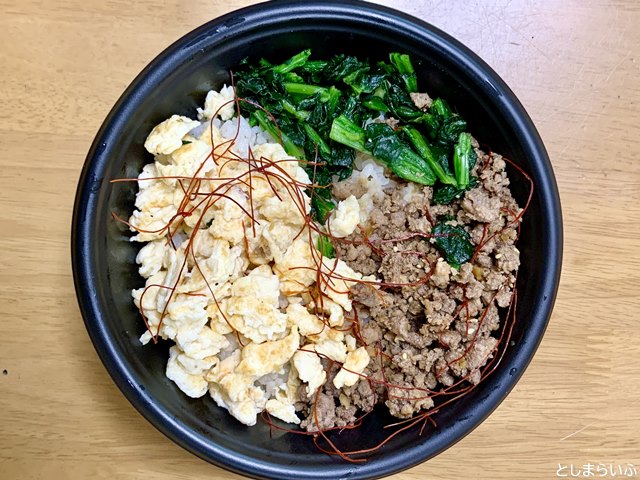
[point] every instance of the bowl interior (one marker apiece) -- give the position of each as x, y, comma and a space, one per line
177, 82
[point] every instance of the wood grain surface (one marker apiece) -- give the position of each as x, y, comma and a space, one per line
575, 65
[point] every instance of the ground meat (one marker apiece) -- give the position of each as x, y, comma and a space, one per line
392, 122
368, 263
421, 100
441, 274
322, 413
508, 258
361, 395
369, 296
481, 206
371, 333
346, 188
437, 328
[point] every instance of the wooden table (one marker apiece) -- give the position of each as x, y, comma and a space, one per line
576, 67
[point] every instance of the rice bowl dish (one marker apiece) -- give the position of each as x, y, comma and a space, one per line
392, 294
177, 82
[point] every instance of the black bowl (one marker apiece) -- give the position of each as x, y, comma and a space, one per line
176, 82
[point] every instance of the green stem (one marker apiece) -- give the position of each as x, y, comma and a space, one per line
267, 124
403, 64
425, 152
462, 154
316, 139
293, 63
440, 107
375, 103
303, 89
290, 108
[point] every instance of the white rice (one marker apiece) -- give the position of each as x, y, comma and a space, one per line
245, 137
271, 381
232, 347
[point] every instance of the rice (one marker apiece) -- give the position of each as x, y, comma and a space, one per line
245, 136
271, 381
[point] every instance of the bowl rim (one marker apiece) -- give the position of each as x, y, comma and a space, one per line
92, 178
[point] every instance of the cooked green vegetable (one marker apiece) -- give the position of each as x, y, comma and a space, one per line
386, 146
362, 82
325, 247
441, 108
403, 64
321, 204
454, 243
268, 126
444, 125
379, 140
293, 77
420, 144
340, 66
450, 129
463, 156
324, 109
317, 140
400, 103
304, 89
294, 62
344, 131
288, 107
314, 67
375, 103
445, 194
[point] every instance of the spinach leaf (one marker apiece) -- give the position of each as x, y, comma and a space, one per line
304, 89
385, 145
325, 247
292, 130
454, 242
444, 126
291, 145
362, 82
342, 160
450, 130
346, 132
310, 102
290, 108
442, 155
440, 108
402, 63
320, 192
313, 140
294, 62
257, 88
292, 77
464, 157
352, 109
426, 152
341, 65
314, 69
445, 194
400, 102
321, 204
374, 102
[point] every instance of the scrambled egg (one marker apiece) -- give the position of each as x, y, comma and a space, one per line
345, 218
167, 136
354, 364
252, 307
220, 103
310, 369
